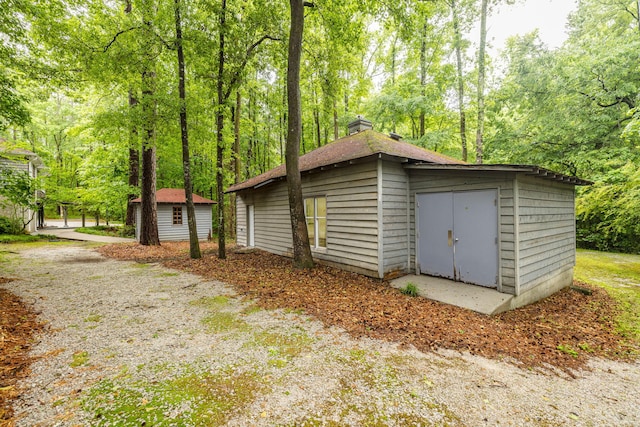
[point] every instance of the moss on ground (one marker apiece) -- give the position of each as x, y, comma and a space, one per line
192, 398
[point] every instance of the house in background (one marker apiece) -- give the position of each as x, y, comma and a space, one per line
384, 208
18, 159
172, 215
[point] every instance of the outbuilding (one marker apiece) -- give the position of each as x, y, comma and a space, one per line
382, 207
18, 160
172, 215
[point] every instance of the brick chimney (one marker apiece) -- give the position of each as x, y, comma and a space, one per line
359, 124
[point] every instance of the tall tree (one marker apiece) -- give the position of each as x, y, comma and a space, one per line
228, 78
220, 101
134, 161
481, 80
134, 148
149, 216
457, 34
194, 244
302, 257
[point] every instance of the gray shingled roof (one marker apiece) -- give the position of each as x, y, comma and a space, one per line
357, 146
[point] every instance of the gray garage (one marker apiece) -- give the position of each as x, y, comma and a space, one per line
382, 207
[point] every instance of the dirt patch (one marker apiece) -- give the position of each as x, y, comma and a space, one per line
563, 331
18, 325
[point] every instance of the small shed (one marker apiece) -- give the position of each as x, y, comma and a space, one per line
382, 207
172, 215
23, 161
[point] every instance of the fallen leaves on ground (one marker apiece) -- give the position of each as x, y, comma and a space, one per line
562, 331
18, 324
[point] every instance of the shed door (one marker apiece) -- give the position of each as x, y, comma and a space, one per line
458, 236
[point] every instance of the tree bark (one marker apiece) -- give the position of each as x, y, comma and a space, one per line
316, 119
134, 152
336, 129
458, 48
423, 73
237, 161
481, 81
149, 218
222, 253
302, 257
134, 162
194, 243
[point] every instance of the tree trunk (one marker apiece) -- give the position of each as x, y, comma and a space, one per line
149, 217
316, 119
458, 47
302, 257
237, 162
194, 243
393, 74
481, 81
638, 13
134, 162
423, 74
336, 129
134, 151
222, 252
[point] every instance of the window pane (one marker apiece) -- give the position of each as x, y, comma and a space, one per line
177, 215
311, 229
322, 207
322, 232
309, 211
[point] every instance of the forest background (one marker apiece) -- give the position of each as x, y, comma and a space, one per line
90, 85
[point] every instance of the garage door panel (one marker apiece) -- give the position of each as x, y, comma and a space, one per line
435, 221
458, 235
475, 222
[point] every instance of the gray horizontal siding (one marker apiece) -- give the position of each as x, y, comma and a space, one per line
351, 194
395, 218
423, 181
167, 231
546, 216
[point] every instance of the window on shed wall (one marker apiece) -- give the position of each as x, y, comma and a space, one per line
315, 211
177, 215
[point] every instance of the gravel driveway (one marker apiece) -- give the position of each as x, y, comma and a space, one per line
137, 344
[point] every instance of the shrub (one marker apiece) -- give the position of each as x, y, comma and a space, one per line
9, 226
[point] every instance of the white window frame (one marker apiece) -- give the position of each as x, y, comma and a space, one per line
315, 244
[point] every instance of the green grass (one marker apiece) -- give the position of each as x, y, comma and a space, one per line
282, 348
619, 275
193, 398
24, 238
410, 290
108, 230
80, 358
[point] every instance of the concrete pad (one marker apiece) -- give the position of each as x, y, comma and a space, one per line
477, 298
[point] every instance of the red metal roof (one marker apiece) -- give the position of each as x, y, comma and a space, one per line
176, 196
357, 146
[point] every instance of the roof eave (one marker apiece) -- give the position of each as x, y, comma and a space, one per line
525, 169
